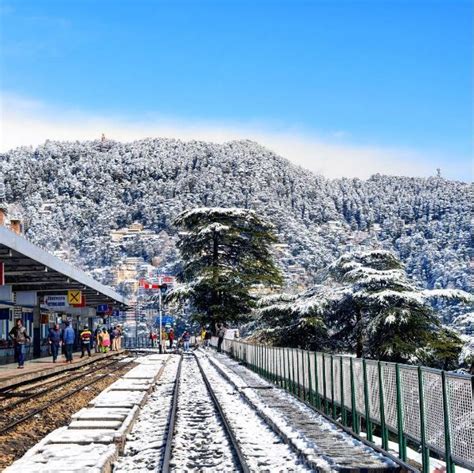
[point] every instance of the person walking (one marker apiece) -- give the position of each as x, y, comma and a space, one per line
115, 338
119, 337
171, 338
207, 338
203, 335
220, 336
68, 339
96, 338
19, 336
111, 337
86, 339
54, 340
104, 340
186, 337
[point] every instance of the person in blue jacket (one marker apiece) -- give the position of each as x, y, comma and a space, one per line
54, 340
68, 339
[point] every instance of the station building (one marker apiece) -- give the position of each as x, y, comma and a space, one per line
38, 287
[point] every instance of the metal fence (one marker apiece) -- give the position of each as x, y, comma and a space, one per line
432, 409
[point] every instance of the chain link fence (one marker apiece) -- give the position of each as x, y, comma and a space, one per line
432, 409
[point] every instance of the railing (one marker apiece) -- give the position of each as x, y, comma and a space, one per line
431, 409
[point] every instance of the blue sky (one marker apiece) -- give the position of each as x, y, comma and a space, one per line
328, 78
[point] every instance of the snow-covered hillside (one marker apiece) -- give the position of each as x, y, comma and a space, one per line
92, 187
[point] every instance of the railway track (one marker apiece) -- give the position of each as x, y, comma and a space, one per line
207, 416
32, 388
15, 390
196, 417
16, 420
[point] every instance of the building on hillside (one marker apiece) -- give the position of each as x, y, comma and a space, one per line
128, 269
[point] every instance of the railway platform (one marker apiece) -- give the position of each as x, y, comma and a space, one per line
38, 368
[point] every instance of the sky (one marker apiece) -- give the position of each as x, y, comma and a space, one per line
341, 87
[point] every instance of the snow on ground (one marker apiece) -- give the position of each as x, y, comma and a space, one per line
200, 442
93, 458
145, 444
292, 418
415, 456
263, 449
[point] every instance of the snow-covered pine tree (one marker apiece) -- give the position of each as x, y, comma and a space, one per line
292, 320
224, 252
389, 315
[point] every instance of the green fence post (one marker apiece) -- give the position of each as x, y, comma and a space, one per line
289, 386
310, 381
402, 450
324, 385
316, 379
290, 372
343, 406
447, 430
300, 374
293, 381
425, 452
282, 368
383, 425
368, 423
272, 364
259, 356
332, 389
355, 421
265, 361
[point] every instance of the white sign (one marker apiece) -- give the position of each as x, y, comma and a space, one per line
56, 302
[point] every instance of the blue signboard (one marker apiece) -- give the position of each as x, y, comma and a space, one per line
165, 320
102, 308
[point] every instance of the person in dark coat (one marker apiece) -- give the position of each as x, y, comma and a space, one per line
20, 337
54, 340
220, 332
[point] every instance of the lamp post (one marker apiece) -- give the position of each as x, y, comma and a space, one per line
160, 314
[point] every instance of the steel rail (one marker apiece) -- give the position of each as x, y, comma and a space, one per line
62, 381
228, 428
404, 467
165, 465
5, 429
25, 382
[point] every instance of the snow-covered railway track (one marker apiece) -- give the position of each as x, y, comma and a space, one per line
322, 444
260, 448
199, 438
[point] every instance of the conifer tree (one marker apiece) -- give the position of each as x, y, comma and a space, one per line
389, 314
224, 253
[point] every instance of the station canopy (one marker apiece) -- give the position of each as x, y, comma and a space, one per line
30, 268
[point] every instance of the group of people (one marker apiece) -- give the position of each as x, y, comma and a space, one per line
165, 337
184, 340
168, 338
64, 339
110, 339
103, 339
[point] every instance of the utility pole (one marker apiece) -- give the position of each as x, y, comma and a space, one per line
160, 314
137, 314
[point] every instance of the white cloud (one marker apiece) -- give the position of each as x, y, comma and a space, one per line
25, 122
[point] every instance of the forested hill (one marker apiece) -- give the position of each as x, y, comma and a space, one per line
93, 187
